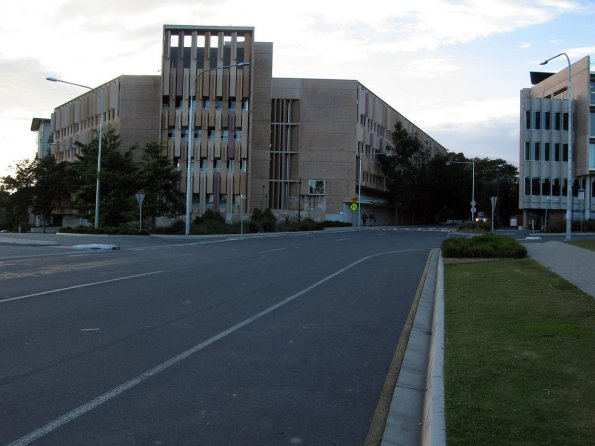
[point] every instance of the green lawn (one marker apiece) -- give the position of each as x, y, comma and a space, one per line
587, 244
519, 356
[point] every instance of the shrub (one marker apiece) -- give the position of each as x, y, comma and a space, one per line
483, 246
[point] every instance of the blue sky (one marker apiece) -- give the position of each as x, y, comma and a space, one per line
455, 68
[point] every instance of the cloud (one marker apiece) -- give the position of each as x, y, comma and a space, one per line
525, 45
430, 68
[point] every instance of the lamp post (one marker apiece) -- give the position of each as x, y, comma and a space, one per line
100, 98
191, 137
570, 151
473, 202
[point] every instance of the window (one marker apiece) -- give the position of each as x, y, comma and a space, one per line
565, 121
557, 118
536, 151
527, 151
592, 125
206, 103
564, 184
535, 189
527, 120
547, 120
316, 187
592, 93
556, 188
557, 151
546, 187
565, 152
546, 151
591, 156
527, 186
537, 120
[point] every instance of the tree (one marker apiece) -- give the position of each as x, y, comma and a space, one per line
51, 186
159, 181
405, 168
118, 177
18, 192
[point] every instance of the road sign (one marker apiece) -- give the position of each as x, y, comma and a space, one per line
354, 207
581, 194
473, 209
139, 198
354, 200
473, 203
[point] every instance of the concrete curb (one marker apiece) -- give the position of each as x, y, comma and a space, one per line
26, 242
415, 413
434, 424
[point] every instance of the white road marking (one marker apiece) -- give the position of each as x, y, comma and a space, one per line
79, 286
271, 250
89, 329
116, 391
342, 239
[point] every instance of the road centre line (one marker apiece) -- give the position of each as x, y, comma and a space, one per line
116, 391
271, 250
79, 286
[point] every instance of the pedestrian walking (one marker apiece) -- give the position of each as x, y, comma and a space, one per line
364, 218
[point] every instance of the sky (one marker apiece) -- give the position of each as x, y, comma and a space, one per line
453, 67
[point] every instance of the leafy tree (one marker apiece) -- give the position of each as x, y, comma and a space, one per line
118, 177
159, 182
51, 186
18, 193
406, 171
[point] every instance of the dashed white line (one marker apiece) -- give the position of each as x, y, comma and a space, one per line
272, 250
116, 391
79, 286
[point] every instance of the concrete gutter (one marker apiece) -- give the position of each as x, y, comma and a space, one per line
416, 414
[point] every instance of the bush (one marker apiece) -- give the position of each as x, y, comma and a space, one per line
474, 227
483, 246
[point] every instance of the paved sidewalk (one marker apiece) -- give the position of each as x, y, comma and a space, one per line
577, 265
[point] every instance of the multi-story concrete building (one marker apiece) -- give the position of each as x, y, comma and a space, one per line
130, 104
43, 128
544, 150
291, 145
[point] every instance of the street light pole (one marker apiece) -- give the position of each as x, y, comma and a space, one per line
473, 202
570, 148
98, 184
191, 137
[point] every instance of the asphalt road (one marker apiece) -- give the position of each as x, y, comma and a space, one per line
254, 341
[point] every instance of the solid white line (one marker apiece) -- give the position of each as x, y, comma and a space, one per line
271, 250
342, 239
79, 286
116, 391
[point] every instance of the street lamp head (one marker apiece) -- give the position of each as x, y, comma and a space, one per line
544, 62
51, 79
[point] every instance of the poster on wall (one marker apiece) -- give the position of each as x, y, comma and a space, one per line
316, 187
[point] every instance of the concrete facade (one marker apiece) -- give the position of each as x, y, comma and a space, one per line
130, 105
43, 128
320, 130
544, 150
296, 146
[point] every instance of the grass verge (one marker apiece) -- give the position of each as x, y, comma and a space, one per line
587, 244
519, 356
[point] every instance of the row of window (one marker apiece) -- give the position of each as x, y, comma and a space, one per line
553, 187
546, 151
217, 164
538, 120
210, 134
207, 103
373, 126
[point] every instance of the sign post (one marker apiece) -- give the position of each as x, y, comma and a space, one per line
494, 200
140, 196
